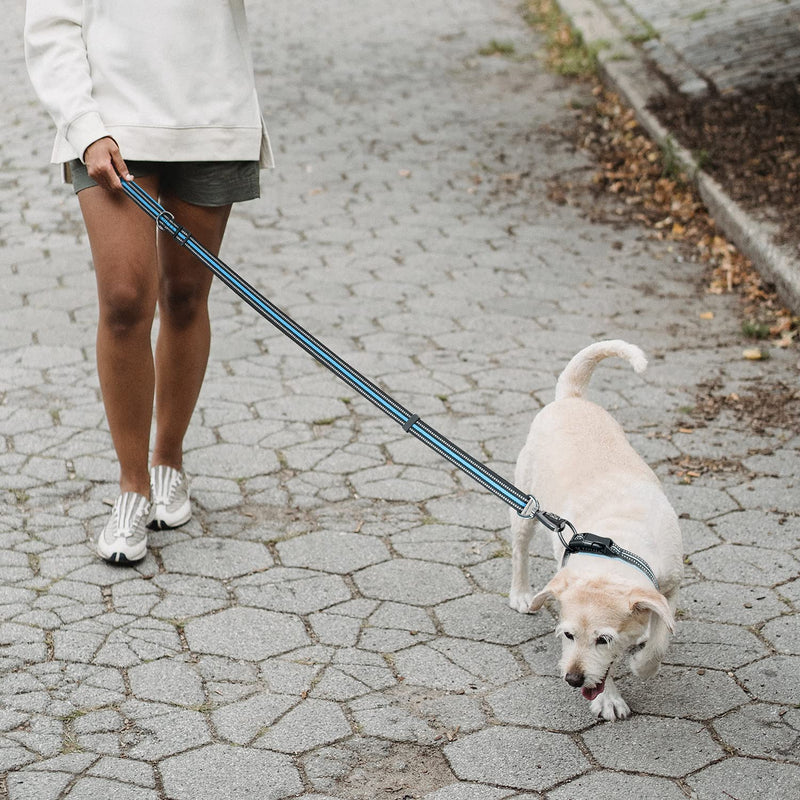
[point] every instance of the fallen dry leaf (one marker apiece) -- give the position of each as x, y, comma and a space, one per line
754, 354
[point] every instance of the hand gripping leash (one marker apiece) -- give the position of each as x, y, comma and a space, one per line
525, 504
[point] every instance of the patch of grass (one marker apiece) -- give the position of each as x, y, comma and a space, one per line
567, 53
647, 34
698, 16
753, 329
702, 158
497, 48
671, 164
503, 551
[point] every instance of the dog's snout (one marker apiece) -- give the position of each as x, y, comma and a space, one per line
574, 679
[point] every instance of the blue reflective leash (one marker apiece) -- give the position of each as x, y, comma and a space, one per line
525, 504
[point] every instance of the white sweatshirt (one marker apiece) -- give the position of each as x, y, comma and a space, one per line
168, 81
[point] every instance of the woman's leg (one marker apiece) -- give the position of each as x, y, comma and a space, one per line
184, 336
123, 243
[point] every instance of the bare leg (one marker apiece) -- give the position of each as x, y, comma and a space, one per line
184, 336
123, 244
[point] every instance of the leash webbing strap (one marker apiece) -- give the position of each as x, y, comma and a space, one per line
525, 504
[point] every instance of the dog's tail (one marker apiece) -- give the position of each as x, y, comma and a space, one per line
576, 375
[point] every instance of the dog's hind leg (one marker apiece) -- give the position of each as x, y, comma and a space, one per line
521, 594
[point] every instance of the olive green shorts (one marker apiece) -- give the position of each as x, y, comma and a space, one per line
201, 183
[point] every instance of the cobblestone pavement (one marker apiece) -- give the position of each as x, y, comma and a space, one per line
332, 624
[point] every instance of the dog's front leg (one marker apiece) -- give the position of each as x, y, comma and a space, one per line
609, 704
520, 595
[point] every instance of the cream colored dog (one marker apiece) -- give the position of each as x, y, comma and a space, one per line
578, 463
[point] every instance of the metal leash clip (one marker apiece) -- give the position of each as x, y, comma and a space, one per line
531, 509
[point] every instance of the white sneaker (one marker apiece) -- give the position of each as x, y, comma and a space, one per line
169, 494
124, 537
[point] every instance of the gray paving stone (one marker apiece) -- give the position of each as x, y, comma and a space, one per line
489, 662
545, 703
248, 633
390, 641
783, 634
23, 785
464, 791
126, 770
413, 582
754, 566
160, 731
331, 551
774, 494
167, 681
215, 557
675, 747
310, 724
335, 629
757, 528
289, 677
746, 778
91, 788
231, 461
449, 544
713, 601
761, 730
239, 723
393, 482
691, 694
298, 591
488, 618
382, 718
186, 596
141, 640
223, 772
422, 666
703, 644
516, 757
619, 785
773, 679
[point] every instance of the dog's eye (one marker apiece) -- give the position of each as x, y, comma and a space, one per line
568, 635
603, 640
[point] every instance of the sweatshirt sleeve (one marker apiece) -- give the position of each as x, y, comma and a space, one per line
59, 70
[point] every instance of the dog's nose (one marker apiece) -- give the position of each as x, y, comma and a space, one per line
574, 678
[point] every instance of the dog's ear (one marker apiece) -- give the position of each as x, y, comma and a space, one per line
651, 600
549, 592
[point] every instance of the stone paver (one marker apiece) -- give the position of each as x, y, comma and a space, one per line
332, 624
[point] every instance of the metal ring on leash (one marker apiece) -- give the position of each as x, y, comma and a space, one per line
532, 508
160, 224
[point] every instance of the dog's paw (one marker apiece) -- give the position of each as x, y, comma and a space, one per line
610, 707
521, 601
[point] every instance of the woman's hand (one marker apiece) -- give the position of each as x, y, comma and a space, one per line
105, 164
